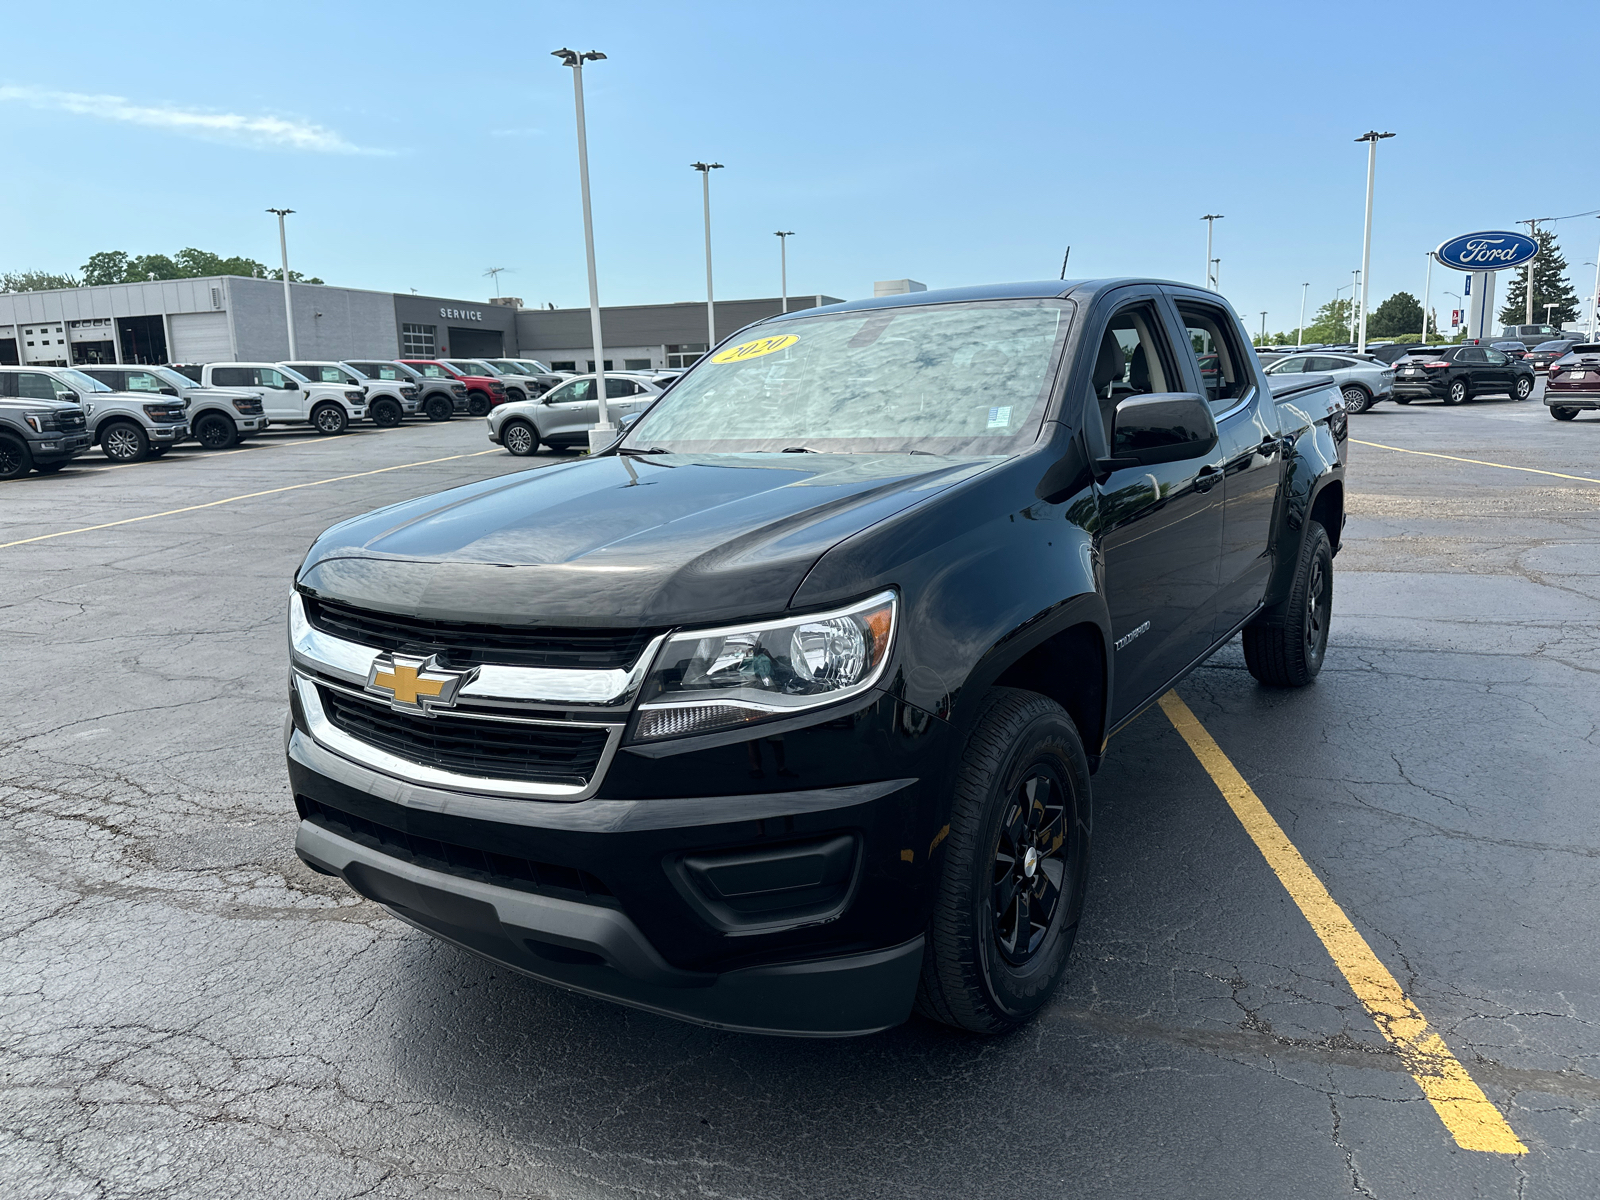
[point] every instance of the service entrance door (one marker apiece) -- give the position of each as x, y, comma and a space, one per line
475, 343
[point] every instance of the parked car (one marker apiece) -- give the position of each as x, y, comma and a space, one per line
779, 714
288, 397
532, 378
389, 401
40, 429
439, 396
563, 416
1545, 353
1573, 384
1362, 382
483, 391
127, 426
1459, 373
1511, 349
1393, 352
218, 417
1530, 335
517, 385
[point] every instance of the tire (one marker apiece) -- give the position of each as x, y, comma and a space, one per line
124, 442
520, 438
1522, 388
386, 414
1559, 413
1402, 399
1022, 775
1356, 400
1457, 392
16, 460
215, 431
515, 395
439, 408
329, 419
1285, 646
477, 404
47, 468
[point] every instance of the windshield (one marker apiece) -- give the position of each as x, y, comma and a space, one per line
357, 372
943, 378
77, 379
507, 367
168, 376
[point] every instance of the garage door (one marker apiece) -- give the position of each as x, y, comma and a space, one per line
200, 337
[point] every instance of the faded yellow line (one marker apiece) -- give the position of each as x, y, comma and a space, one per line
293, 487
1466, 1112
1477, 462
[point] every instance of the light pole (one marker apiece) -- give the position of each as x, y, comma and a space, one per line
1263, 327
783, 236
1210, 219
1533, 232
1427, 295
1355, 292
603, 430
1372, 137
1547, 309
1594, 313
705, 170
288, 304
1300, 333
1216, 275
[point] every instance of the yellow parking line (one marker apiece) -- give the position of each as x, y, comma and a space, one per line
293, 487
1477, 462
1466, 1112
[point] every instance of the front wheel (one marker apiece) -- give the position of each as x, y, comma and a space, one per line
439, 408
519, 438
1523, 388
215, 431
329, 419
1457, 392
16, 460
1402, 399
386, 414
125, 442
515, 395
1356, 400
1563, 413
1286, 644
1015, 867
477, 405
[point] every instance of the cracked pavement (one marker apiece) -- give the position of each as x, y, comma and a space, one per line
187, 1011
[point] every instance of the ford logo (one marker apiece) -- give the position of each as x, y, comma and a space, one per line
1492, 250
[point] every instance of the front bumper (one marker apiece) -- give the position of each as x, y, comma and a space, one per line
169, 434
54, 448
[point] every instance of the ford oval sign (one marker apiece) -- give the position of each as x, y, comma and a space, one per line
1492, 250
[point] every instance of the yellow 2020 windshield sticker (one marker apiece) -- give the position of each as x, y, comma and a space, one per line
755, 349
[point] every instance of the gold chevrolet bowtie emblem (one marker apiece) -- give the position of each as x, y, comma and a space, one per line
415, 685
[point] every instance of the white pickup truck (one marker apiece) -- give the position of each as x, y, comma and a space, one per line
389, 401
288, 397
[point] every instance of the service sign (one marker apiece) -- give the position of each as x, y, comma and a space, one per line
1492, 250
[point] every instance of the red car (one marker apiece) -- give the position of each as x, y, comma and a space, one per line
483, 391
1574, 382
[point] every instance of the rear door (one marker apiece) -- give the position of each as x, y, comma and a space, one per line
569, 409
1498, 371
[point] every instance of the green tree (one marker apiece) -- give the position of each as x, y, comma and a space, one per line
1400, 313
117, 266
1332, 322
105, 266
294, 276
1550, 286
35, 281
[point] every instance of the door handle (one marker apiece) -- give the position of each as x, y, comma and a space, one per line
1207, 478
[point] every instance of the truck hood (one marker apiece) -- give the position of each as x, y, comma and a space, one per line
621, 541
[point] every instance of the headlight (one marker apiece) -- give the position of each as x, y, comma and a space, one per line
41, 422
711, 679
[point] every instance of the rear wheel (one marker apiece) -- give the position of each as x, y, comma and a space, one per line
1563, 414
1457, 392
1356, 400
386, 413
16, 460
1015, 867
215, 432
1286, 644
477, 404
124, 442
1522, 388
329, 418
520, 438
439, 408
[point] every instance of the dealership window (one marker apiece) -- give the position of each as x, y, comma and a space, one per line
636, 364
608, 364
684, 354
418, 340
569, 365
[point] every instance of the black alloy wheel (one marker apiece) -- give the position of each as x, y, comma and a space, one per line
519, 438
15, 458
386, 413
1285, 646
439, 408
1356, 400
215, 431
1523, 388
478, 405
515, 395
1559, 412
329, 419
1029, 867
125, 442
1457, 392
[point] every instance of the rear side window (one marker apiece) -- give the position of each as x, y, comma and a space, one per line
234, 376
32, 385
1217, 352
1471, 355
1321, 362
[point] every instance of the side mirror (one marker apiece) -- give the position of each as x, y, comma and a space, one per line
1161, 428
627, 421
68, 397
169, 391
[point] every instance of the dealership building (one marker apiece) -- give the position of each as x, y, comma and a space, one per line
232, 318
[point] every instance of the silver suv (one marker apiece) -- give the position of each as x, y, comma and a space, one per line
127, 426
219, 417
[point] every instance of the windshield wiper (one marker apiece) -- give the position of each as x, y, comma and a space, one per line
645, 450
798, 450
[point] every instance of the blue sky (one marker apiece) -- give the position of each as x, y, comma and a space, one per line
421, 143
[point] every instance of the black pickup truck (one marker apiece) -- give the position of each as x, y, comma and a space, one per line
780, 714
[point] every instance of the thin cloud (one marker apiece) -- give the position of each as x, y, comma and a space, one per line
269, 132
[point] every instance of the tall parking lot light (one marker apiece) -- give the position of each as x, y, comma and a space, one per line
288, 304
1594, 312
1211, 220
1300, 333
604, 430
705, 170
783, 236
1372, 137
1427, 296
1355, 294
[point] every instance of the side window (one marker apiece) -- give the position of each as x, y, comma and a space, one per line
1320, 362
616, 389
1289, 366
1133, 359
384, 372
31, 385
433, 371
8, 384
1470, 355
142, 381
272, 379
1496, 358
232, 377
1215, 346
575, 392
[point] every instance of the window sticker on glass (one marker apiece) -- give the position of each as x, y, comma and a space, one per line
1000, 417
755, 349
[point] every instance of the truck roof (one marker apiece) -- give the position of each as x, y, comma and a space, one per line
1040, 290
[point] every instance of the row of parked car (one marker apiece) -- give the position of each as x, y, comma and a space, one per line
50, 415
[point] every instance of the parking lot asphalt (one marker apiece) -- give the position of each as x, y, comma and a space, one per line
187, 1011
